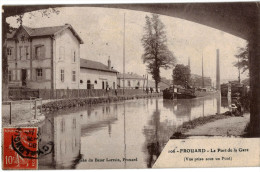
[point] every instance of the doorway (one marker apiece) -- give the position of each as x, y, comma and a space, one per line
103, 85
24, 77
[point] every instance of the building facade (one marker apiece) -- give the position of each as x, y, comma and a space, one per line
95, 75
132, 81
44, 58
196, 81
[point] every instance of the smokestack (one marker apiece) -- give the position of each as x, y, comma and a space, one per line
217, 71
109, 63
189, 62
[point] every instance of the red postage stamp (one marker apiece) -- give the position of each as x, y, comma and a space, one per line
20, 148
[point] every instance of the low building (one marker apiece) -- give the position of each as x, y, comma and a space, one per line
46, 57
151, 86
96, 75
132, 81
196, 81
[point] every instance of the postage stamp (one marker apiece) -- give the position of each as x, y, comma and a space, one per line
20, 148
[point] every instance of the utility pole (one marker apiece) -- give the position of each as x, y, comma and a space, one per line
217, 71
124, 58
238, 72
189, 62
202, 72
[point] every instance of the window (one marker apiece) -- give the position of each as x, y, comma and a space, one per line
62, 75
74, 56
62, 125
88, 84
62, 53
26, 53
38, 52
138, 83
9, 75
74, 123
9, 51
20, 52
129, 84
74, 76
39, 74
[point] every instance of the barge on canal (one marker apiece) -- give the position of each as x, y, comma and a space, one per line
178, 92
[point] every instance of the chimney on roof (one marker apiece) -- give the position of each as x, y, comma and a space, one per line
109, 63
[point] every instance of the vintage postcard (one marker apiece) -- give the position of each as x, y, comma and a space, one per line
123, 86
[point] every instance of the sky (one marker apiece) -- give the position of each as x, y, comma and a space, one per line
102, 32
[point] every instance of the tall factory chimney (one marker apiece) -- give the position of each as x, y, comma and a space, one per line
217, 72
109, 63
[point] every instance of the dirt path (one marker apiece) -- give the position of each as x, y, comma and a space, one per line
233, 126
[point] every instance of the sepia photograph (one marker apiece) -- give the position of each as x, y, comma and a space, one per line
129, 86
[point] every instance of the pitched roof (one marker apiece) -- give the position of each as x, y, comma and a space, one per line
130, 76
46, 31
89, 64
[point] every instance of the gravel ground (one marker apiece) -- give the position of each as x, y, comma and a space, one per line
22, 112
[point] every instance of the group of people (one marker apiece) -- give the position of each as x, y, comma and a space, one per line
237, 108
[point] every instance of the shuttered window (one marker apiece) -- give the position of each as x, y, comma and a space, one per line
9, 75
27, 53
74, 76
39, 52
20, 52
74, 56
62, 75
18, 75
28, 74
13, 74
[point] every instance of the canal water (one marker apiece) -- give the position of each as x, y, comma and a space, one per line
101, 136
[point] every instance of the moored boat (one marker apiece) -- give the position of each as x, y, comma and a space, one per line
177, 92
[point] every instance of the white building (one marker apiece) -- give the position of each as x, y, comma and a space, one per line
132, 81
96, 75
47, 57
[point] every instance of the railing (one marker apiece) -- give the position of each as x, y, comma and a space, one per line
46, 94
14, 111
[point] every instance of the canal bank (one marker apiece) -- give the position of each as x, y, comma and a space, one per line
224, 125
55, 105
22, 113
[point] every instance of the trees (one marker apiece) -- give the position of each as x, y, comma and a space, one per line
156, 53
181, 75
242, 56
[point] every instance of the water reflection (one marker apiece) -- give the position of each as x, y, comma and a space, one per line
131, 129
65, 132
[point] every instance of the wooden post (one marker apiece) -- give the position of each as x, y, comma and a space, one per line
10, 113
35, 110
41, 106
30, 106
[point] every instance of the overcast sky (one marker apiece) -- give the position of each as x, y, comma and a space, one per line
102, 32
